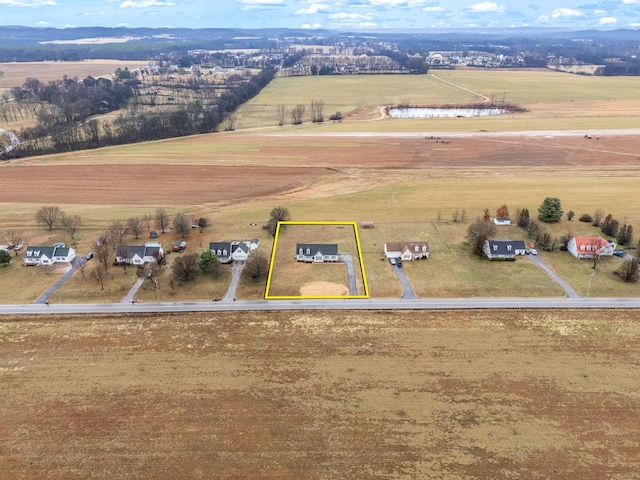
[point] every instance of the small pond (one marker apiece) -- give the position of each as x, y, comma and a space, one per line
433, 112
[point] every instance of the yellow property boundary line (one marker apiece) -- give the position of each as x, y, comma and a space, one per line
288, 297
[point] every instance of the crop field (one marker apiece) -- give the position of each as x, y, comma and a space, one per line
553, 100
456, 395
14, 74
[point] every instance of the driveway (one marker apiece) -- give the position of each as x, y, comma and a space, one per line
408, 291
75, 264
347, 259
569, 292
236, 271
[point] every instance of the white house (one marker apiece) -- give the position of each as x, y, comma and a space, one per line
503, 249
587, 247
408, 251
139, 254
317, 252
41, 256
228, 252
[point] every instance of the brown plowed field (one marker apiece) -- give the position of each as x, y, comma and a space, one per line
325, 395
233, 168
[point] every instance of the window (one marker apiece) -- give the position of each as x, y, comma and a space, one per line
495, 248
308, 251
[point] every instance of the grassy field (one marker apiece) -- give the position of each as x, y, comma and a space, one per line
553, 100
379, 395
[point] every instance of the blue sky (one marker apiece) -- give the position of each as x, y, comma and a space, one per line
330, 14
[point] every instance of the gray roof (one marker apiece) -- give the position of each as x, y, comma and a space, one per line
39, 252
314, 248
501, 247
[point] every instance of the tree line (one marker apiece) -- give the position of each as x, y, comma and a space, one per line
63, 110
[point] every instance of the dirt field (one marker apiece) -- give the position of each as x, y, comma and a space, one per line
455, 395
227, 169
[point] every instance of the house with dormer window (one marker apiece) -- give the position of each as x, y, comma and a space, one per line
317, 252
237, 251
588, 247
408, 251
42, 256
503, 249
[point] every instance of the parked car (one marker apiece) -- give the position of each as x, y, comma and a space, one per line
178, 246
399, 263
618, 253
153, 234
89, 256
58, 245
392, 261
533, 251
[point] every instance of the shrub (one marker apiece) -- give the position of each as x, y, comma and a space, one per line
585, 217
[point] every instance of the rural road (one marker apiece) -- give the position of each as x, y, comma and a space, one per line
347, 304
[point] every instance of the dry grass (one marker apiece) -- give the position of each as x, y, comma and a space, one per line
495, 394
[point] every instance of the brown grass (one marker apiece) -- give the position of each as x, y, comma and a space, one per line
495, 394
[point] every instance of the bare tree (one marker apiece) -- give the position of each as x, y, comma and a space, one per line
134, 224
116, 232
297, 114
99, 274
181, 225
147, 219
281, 114
230, 122
280, 213
597, 217
162, 219
48, 215
71, 224
103, 255
595, 253
185, 268
478, 232
317, 111
256, 267
202, 224
629, 270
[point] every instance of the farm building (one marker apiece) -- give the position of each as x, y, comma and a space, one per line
317, 252
408, 251
503, 249
502, 221
41, 256
587, 247
228, 252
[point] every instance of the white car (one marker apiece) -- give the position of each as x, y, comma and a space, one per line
533, 251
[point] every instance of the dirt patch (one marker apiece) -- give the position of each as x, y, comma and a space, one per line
329, 289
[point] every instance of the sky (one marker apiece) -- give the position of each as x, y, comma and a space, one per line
367, 15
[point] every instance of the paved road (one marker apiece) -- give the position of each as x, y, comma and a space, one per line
570, 292
236, 271
347, 304
131, 295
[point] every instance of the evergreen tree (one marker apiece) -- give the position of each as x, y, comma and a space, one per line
550, 211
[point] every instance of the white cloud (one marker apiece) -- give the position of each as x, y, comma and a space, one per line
352, 16
397, 3
310, 26
313, 9
565, 12
608, 20
28, 3
629, 2
486, 7
433, 9
145, 4
249, 4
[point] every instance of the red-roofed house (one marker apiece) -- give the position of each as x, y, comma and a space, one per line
587, 247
